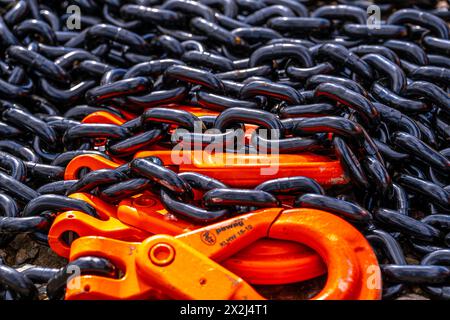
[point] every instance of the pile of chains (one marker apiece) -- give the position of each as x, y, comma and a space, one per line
374, 97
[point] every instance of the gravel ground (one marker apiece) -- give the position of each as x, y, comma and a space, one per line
22, 251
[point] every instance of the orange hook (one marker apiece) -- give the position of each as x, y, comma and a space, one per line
137, 218
159, 265
294, 261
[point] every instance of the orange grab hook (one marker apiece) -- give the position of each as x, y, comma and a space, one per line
137, 218
158, 266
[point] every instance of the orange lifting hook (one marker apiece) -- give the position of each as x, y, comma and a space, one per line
159, 265
138, 218
295, 262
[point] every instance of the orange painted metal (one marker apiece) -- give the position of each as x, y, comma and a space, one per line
137, 218
251, 260
103, 117
250, 170
90, 161
186, 266
82, 225
146, 212
111, 118
302, 264
294, 262
79, 224
235, 170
